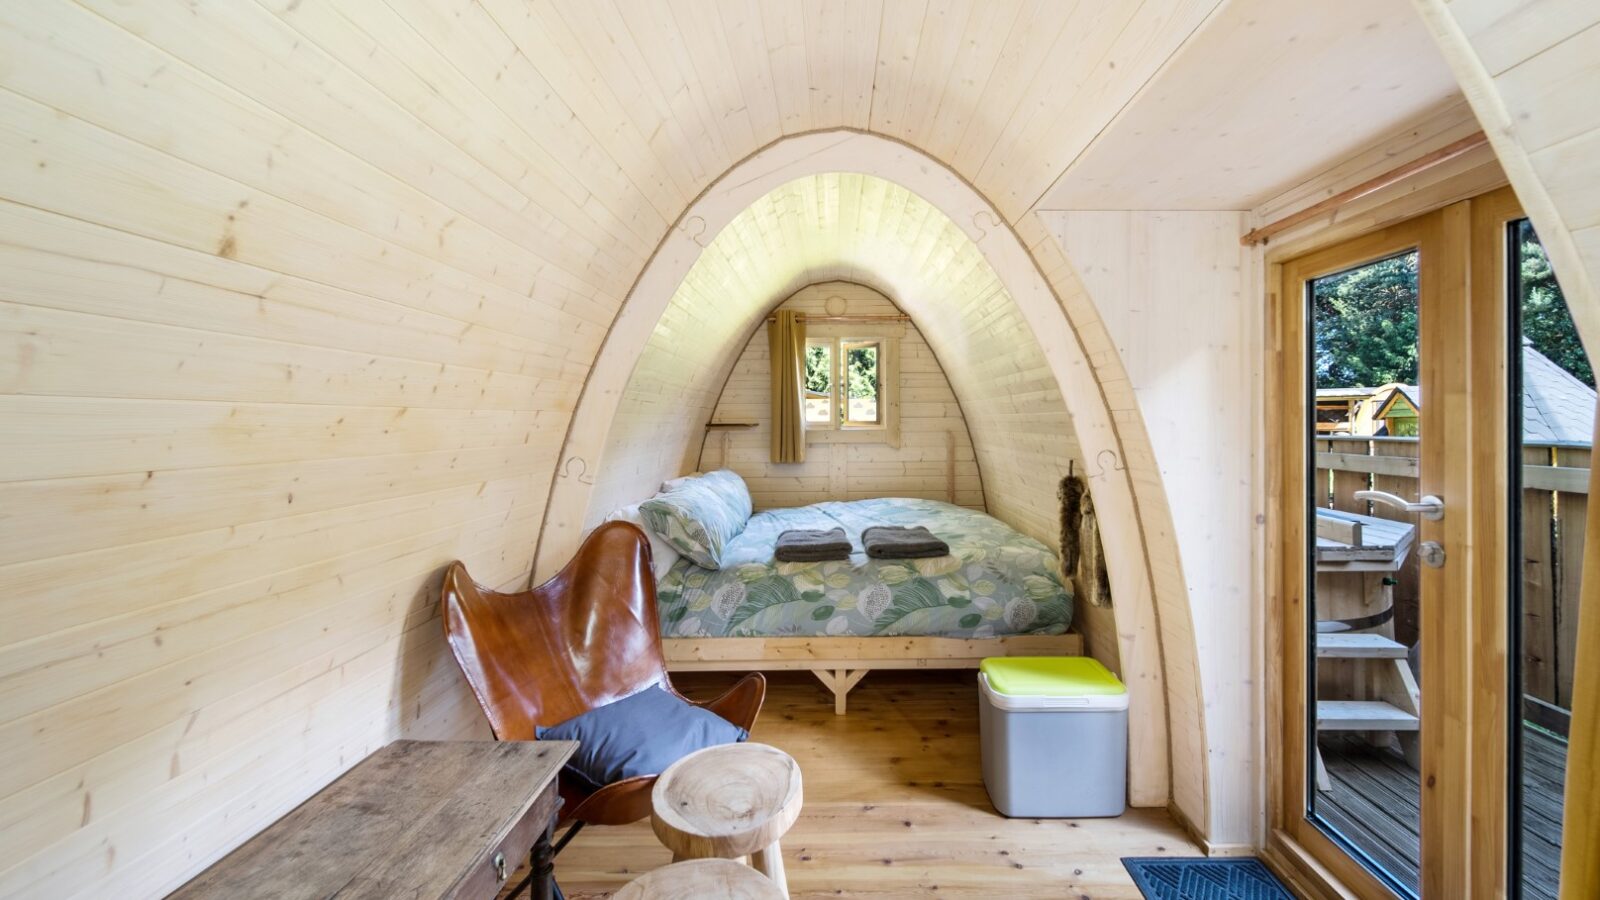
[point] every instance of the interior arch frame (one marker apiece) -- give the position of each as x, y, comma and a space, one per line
1107, 444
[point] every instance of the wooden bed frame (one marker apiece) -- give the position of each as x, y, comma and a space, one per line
841, 662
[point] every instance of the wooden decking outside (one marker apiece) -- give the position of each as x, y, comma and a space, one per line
895, 806
1374, 804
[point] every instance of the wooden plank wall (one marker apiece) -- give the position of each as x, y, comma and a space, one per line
1164, 619
1531, 70
1170, 287
934, 443
269, 364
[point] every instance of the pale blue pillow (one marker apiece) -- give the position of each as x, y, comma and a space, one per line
639, 735
700, 514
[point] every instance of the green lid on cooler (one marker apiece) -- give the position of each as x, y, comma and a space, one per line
1050, 676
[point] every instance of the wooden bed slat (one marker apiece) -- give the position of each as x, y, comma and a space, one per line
841, 662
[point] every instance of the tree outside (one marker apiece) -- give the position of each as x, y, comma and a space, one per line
861, 381
1545, 320
818, 372
1366, 319
1366, 324
819, 376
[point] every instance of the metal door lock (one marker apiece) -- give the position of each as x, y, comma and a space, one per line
1432, 554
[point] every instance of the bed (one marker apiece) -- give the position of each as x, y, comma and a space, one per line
998, 593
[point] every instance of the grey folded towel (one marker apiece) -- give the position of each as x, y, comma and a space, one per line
899, 542
800, 545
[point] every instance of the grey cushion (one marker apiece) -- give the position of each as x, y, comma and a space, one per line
639, 735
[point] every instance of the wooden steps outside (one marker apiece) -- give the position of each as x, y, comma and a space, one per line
1364, 715
1354, 645
1395, 704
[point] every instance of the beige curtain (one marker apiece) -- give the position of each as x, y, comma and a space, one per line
786, 339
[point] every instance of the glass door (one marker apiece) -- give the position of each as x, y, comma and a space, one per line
1431, 494
1374, 468
1435, 415
1363, 674
1551, 436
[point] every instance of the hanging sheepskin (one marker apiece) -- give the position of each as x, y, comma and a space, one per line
1082, 558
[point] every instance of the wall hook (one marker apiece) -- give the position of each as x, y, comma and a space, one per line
583, 476
980, 227
1109, 462
694, 228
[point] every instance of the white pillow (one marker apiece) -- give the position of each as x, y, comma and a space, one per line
737, 490
662, 554
672, 483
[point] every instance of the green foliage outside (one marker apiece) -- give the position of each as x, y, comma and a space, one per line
818, 371
1366, 320
861, 374
1545, 320
1366, 324
863, 366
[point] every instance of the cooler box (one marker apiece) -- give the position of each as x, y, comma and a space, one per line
1055, 736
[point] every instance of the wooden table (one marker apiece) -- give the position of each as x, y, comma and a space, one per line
701, 879
1356, 557
1351, 542
417, 819
729, 801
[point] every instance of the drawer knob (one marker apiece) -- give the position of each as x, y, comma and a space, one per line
500, 865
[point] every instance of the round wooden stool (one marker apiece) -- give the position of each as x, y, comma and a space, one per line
701, 879
729, 802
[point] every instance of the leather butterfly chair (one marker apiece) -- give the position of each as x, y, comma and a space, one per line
585, 638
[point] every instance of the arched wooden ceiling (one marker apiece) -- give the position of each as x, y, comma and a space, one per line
858, 228
644, 103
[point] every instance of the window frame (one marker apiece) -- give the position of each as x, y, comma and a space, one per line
841, 382
832, 393
837, 335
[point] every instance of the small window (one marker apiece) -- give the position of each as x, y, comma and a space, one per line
850, 388
819, 382
863, 384
1333, 416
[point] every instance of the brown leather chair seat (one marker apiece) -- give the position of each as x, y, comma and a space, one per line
585, 638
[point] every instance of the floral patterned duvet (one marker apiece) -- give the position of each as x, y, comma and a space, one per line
994, 582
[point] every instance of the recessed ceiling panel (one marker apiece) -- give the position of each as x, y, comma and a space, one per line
1266, 94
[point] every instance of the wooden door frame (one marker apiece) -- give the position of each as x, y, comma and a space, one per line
1299, 842
1464, 256
1494, 704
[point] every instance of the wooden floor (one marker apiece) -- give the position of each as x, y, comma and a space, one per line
895, 806
1374, 803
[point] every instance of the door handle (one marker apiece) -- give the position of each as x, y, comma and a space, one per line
1429, 507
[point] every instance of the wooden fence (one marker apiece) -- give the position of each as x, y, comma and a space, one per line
1555, 500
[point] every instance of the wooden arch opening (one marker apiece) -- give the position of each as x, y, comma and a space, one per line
760, 200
